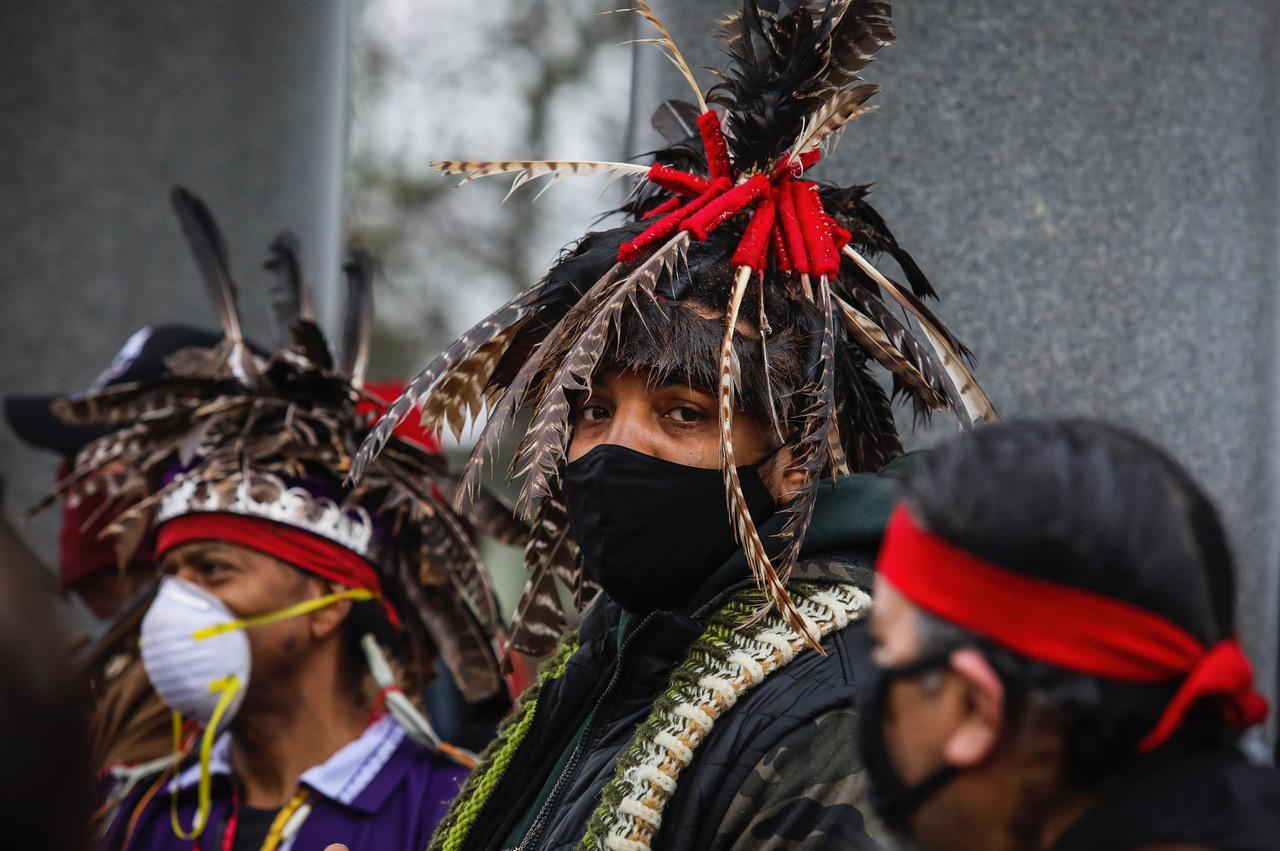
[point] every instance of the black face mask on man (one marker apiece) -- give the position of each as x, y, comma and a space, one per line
651, 531
894, 800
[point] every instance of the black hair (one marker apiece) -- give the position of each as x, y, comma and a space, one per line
1098, 508
665, 336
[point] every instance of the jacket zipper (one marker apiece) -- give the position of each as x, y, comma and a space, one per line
531, 838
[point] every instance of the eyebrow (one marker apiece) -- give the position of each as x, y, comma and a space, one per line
195, 550
675, 383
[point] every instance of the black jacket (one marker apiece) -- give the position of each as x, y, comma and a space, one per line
1206, 796
779, 770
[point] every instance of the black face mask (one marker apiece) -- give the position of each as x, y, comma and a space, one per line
894, 800
652, 531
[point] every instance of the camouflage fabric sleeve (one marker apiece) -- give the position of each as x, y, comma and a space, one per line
807, 793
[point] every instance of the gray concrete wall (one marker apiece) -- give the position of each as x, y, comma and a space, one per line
1093, 189
105, 106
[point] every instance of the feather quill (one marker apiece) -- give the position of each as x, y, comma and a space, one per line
667, 45
832, 116
811, 452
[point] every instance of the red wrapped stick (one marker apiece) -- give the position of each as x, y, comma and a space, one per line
718, 163
727, 205
816, 226
753, 248
792, 233
677, 181
665, 227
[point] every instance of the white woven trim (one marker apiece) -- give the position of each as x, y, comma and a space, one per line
295, 507
700, 719
753, 655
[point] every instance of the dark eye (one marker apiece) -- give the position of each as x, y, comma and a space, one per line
685, 414
210, 569
593, 413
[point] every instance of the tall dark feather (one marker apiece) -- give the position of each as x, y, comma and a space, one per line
676, 121
357, 324
284, 260
210, 251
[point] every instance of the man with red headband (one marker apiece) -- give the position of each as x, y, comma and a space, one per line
1056, 659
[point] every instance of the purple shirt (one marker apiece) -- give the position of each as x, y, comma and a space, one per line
381, 791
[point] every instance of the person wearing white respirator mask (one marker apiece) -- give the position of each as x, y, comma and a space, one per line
295, 615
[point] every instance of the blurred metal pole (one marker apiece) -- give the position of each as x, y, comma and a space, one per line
1093, 189
108, 104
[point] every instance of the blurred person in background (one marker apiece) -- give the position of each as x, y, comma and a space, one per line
87, 564
45, 776
1056, 656
292, 611
702, 428
129, 724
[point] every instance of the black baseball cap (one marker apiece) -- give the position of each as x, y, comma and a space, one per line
141, 358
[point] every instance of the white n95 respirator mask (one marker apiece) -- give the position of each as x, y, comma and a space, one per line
196, 655
191, 657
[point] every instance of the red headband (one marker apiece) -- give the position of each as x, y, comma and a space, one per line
305, 551
1069, 628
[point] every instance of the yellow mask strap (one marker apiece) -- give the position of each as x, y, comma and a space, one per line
284, 614
228, 686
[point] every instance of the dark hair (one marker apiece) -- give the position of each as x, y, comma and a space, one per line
1098, 508
666, 337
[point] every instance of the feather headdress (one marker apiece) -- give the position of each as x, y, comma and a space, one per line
725, 219
230, 432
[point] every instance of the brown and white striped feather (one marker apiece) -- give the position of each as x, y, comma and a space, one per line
811, 452
464, 647
449, 545
459, 394
527, 170
744, 528
872, 338
830, 118
486, 330
977, 406
539, 619
548, 436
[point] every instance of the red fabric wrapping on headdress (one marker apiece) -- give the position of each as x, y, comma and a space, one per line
305, 551
1069, 628
713, 141
754, 245
679, 182
82, 550
667, 226
411, 428
724, 207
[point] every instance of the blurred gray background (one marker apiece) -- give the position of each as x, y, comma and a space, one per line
1092, 187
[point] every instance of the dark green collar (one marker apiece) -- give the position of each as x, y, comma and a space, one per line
849, 517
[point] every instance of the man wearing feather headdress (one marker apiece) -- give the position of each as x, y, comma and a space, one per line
294, 616
700, 467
